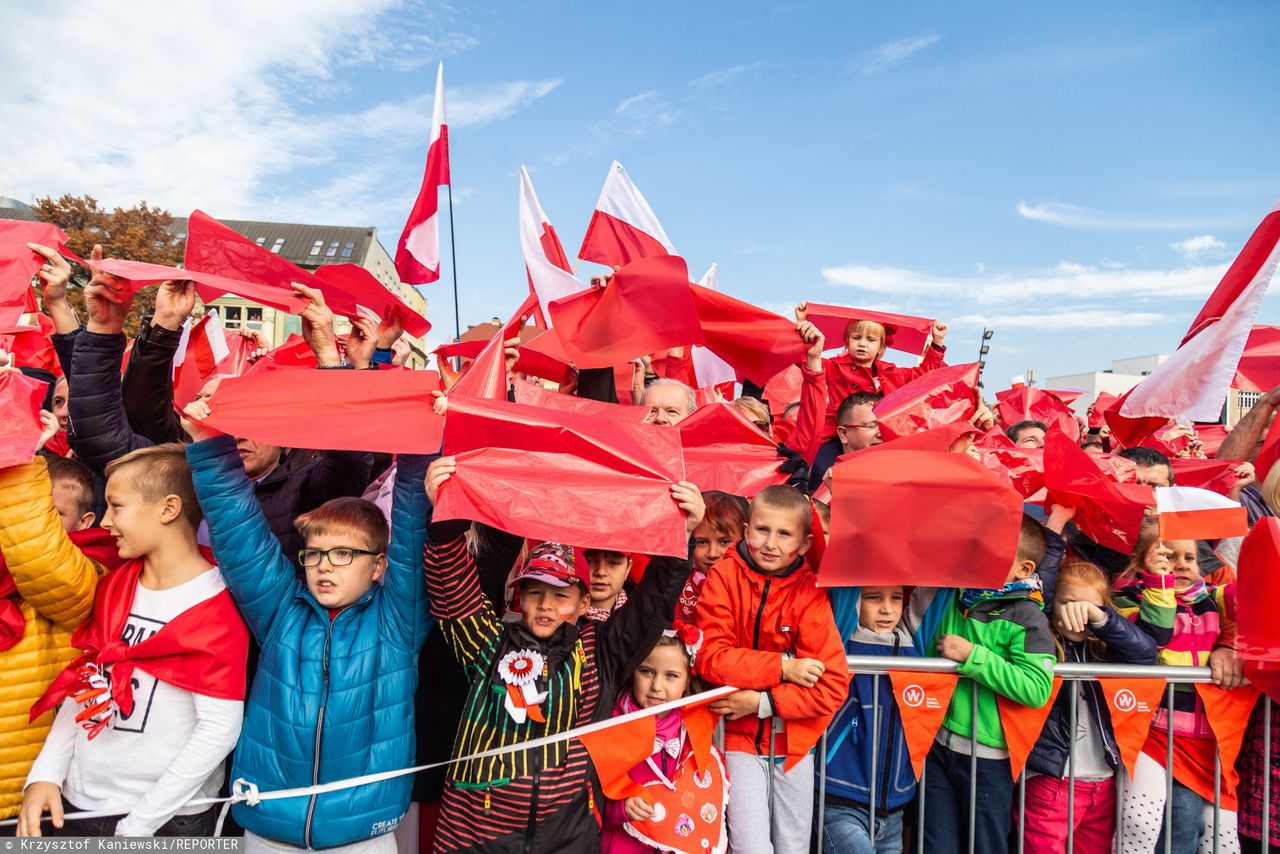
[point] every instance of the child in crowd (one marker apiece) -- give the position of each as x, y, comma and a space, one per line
721, 527
769, 631
333, 694
546, 673
869, 717
1186, 629
1088, 628
609, 571
666, 675
155, 702
1002, 642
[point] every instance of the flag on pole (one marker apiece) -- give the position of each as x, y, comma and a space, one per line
1191, 513
418, 253
623, 227
544, 258
1193, 382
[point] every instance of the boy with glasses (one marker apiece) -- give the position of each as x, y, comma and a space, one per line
333, 695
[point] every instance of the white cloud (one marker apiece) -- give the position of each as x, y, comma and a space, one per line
634, 116
1066, 281
226, 106
724, 75
1203, 246
886, 56
1075, 216
1078, 319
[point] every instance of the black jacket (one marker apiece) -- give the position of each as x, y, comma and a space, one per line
100, 432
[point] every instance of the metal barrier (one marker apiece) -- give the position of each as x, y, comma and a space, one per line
878, 667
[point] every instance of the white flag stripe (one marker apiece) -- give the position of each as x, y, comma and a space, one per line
621, 199
550, 282
1179, 499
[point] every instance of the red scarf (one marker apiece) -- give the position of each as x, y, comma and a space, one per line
59, 444
97, 544
203, 650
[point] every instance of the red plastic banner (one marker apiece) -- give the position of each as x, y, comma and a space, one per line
758, 344
18, 264
890, 508
1110, 513
902, 332
20, 428
1257, 591
939, 397
1034, 404
725, 451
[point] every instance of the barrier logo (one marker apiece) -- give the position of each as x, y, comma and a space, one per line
1125, 701
914, 697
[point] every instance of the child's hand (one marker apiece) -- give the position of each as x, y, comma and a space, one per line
1059, 516
195, 412
48, 428
38, 799
637, 809
802, 671
437, 473
441, 403
955, 648
1158, 563
1227, 669
691, 503
1245, 476
1076, 616
812, 336
739, 704
802, 312
939, 332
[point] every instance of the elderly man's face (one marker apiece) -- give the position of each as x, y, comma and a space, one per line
668, 404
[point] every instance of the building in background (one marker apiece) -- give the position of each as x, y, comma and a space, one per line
308, 246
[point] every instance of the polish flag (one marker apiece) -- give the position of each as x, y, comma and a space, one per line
544, 258
623, 228
418, 253
1191, 513
205, 350
709, 369
1193, 382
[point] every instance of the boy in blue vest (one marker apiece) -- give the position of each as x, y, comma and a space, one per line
333, 695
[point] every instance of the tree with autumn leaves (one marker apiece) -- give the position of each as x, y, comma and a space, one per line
139, 233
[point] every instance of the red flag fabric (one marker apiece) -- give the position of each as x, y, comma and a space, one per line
214, 248
902, 332
209, 286
1133, 704
418, 252
1110, 513
1193, 382
361, 287
783, 390
1258, 577
487, 375
1269, 452
1104, 401
1215, 475
532, 394
757, 343
1022, 726
18, 264
723, 450
939, 397
32, 346
380, 411
1129, 432
594, 482
20, 428
1034, 404
646, 307
889, 508
923, 699
1211, 437
1259, 368
1023, 468
623, 227
940, 438
208, 352
618, 749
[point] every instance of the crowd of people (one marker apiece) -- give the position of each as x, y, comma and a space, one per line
186, 615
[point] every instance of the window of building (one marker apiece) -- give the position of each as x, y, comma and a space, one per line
260, 241
333, 249
182, 235
232, 316
346, 250
317, 247
237, 317
278, 245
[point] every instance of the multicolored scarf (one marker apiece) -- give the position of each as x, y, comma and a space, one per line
1197, 592
970, 596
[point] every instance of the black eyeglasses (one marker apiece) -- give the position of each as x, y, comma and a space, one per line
337, 557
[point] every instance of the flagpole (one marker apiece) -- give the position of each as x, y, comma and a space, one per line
453, 253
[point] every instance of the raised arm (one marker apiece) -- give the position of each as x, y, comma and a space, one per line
1243, 440
632, 630
406, 618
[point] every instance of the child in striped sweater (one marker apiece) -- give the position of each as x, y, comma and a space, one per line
1163, 592
544, 674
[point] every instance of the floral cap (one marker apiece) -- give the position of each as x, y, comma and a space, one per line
556, 564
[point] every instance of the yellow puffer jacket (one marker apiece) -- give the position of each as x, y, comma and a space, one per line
56, 583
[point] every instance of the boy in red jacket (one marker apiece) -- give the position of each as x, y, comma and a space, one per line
769, 631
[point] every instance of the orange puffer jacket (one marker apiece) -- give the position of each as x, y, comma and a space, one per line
56, 583
749, 620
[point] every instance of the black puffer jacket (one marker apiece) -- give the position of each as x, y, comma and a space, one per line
100, 432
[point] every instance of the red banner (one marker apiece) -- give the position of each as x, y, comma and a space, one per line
725, 451
20, 428
1022, 725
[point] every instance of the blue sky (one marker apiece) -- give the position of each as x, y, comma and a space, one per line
1077, 177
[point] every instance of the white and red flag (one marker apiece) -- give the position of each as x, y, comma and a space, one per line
1191, 513
205, 350
418, 253
623, 227
1193, 382
709, 369
544, 258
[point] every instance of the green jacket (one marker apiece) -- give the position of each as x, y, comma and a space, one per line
1013, 655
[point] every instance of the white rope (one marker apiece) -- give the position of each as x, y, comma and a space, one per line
246, 792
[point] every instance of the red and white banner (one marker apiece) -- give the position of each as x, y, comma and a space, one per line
1193, 382
709, 369
623, 227
204, 352
418, 253
544, 260
1191, 513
